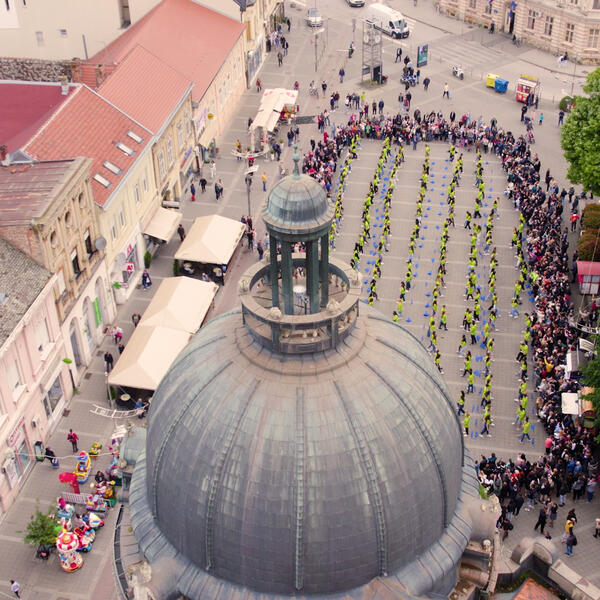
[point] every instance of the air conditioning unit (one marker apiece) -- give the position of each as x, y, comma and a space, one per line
35, 422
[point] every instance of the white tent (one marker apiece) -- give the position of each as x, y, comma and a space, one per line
570, 403
211, 240
271, 105
163, 224
180, 303
148, 356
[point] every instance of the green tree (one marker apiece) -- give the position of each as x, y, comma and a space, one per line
580, 136
41, 529
591, 378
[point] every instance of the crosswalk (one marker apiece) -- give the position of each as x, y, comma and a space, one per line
463, 52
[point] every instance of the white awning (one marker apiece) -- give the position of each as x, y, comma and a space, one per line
272, 103
147, 357
211, 240
163, 224
180, 303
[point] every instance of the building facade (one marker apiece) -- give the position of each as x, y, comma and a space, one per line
558, 26
63, 29
34, 379
47, 211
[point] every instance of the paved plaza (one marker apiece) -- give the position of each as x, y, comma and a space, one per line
451, 42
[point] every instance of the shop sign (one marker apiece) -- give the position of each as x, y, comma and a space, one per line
186, 156
10, 468
97, 312
17, 435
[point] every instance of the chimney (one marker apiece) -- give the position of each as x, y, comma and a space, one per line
64, 85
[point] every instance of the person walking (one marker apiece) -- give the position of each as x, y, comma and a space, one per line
466, 423
341, 73
203, 183
108, 361
426, 83
181, 232
279, 58
561, 117
263, 178
218, 189
571, 542
526, 429
193, 191
446, 93
73, 438
135, 318
15, 588
398, 54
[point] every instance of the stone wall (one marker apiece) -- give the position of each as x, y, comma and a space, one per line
33, 69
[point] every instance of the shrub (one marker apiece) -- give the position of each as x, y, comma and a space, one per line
590, 218
147, 259
564, 102
588, 246
176, 268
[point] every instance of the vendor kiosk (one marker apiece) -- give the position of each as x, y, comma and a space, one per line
527, 85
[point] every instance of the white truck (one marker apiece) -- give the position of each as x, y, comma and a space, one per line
388, 20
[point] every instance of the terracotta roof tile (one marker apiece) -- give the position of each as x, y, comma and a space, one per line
88, 125
134, 83
191, 38
25, 106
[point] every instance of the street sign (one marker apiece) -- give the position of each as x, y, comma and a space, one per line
422, 55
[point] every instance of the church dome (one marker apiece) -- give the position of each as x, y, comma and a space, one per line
303, 474
297, 204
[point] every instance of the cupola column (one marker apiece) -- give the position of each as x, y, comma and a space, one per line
274, 271
287, 272
312, 275
324, 270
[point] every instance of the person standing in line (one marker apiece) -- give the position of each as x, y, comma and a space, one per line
73, 438
466, 423
15, 588
181, 232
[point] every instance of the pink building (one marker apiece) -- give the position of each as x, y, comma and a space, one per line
34, 380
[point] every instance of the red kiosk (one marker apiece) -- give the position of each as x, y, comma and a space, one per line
527, 84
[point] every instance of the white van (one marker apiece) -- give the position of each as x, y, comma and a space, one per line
387, 19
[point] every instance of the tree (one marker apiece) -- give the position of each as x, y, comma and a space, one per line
580, 137
41, 529
591, 378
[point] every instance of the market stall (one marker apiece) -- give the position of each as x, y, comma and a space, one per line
528, 89
163, 224
212, 241
180, 303
147, 357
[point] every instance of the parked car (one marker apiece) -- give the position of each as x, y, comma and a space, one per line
355, 2
314, 18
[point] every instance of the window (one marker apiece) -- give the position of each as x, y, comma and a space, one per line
135, 137
39, 35
113, 229
102, 180
53, 397
488, 8
13, 376
62, 33
531, 20
596, 5
125, 149
548, 25
60, 282
170, 151
111, 167
75, 263
122, 220
42, 336
179, 136
7, 2
161, 165
188, 121
87, 240
53, 239
574, 2
68, 219
145, 181
569, 32
81, 201
136, 193
593, 38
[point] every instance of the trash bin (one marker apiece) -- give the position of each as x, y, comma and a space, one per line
501, 85
490, 80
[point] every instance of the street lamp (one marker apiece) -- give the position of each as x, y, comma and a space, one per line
248, 186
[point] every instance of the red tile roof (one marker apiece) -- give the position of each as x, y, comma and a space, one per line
87, 125
25, 107
133, 88
191, 38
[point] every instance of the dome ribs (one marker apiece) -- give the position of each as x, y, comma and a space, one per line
299, 538
171, 431
217, 478
424, 433
372, 481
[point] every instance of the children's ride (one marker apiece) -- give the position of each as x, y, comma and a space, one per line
84, 464
67, 545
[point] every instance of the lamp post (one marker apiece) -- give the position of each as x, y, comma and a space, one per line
573, 76
108, 390
248, 186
